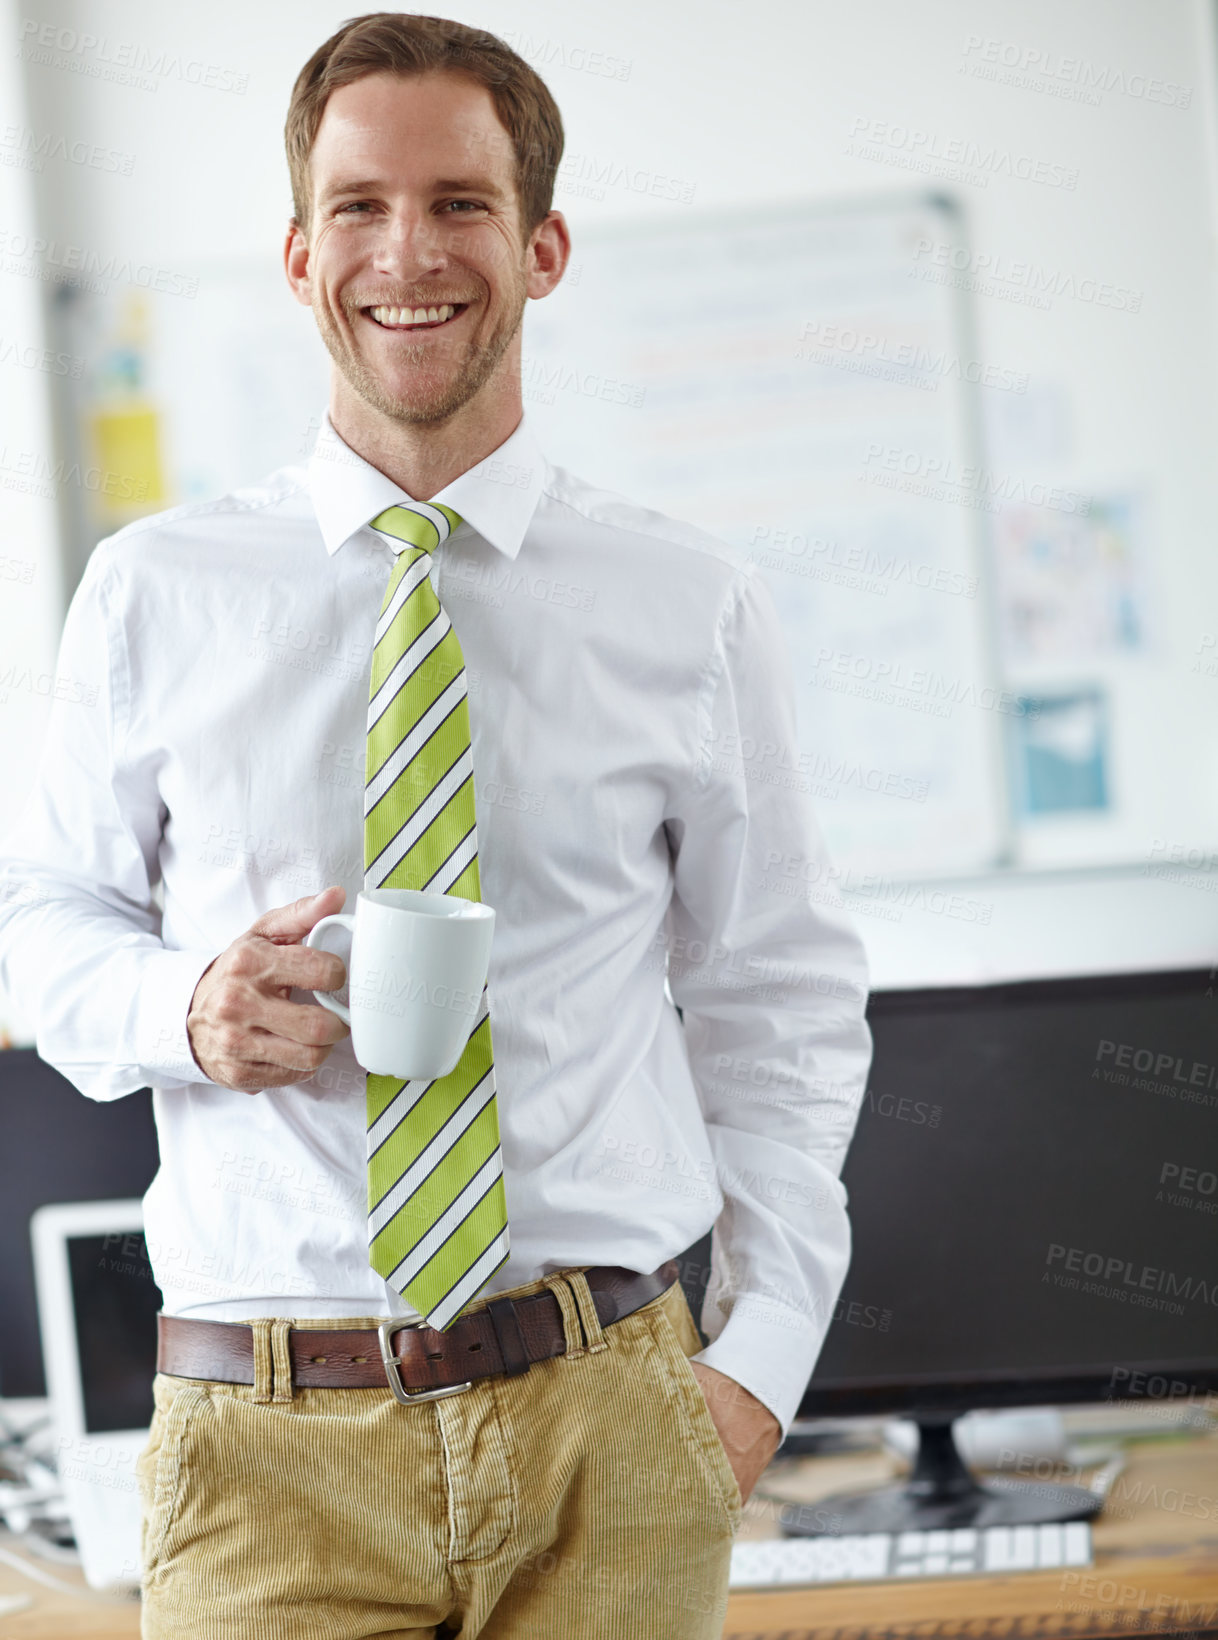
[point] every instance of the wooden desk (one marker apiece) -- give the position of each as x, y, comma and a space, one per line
1155, 1572
1155, 1550
54, 1616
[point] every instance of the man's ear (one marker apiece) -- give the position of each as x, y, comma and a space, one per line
296, 263
549, 253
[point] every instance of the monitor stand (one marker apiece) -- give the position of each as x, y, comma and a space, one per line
940, 1492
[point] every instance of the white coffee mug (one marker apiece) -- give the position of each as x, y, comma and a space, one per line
417, 967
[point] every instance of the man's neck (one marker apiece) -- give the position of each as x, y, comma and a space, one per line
423, 459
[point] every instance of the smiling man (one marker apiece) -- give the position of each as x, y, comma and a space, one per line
425, 1366
418, 274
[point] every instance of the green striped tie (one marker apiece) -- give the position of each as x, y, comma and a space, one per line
437, 1215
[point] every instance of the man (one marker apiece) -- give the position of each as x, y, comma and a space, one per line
577, 1463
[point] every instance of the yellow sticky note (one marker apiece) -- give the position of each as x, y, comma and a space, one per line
128, 446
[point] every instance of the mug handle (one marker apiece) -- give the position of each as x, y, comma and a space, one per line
346, 922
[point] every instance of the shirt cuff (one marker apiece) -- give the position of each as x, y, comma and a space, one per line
769, 1349
167, 985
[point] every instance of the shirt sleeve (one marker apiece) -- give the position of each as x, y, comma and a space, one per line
772, 981
80, 948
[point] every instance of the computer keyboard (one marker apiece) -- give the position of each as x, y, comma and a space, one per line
869, 1557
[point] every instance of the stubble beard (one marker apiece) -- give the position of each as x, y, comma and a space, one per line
474, 370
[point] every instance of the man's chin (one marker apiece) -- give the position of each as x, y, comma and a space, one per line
414, 403
418, 393
423, 411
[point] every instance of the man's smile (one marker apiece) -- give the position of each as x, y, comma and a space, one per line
418, 318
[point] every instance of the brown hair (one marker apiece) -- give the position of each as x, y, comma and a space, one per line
399, 42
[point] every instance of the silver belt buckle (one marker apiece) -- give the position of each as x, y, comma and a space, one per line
393, 1368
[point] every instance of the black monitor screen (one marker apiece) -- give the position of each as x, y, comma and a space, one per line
1033, 1190
55, 1146
115, 1303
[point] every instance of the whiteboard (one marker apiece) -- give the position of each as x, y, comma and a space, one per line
786, 380
781, 378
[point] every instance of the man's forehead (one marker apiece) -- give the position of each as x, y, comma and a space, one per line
428, 116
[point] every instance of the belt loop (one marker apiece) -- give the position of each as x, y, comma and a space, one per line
264, 1370
281, 1360
586, 1304
557, 1283
512, 1347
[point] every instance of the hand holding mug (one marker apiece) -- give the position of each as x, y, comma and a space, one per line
242, 1030
418, 964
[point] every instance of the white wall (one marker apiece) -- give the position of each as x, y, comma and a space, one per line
31, 590
746, 105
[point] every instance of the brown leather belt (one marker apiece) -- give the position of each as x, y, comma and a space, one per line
419, 1362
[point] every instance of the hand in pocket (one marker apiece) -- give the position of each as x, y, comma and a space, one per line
750, 1432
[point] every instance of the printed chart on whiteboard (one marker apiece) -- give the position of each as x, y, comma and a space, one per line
797, 383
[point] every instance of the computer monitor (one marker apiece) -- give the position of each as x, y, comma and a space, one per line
55, 1146
97, 1307
97, 1310
1033, 1190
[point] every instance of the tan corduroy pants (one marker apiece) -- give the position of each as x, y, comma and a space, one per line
587, 1499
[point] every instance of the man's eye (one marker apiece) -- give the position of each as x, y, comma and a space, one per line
464, 205
355, 205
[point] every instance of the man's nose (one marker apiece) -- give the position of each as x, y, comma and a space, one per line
408, 244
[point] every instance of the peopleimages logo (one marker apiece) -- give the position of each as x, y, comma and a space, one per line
988, 271
926, 150
127, 62
39, 147
1163, 1063
923, 687
1040, 69
1119, 1275
839, 344
944, 475
66, 258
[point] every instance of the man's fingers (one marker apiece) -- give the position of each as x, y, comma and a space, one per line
288, 924
297, 965
254, 1076
252, 1059
243, 1034
300, 1024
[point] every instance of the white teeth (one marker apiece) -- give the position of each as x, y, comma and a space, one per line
413, 316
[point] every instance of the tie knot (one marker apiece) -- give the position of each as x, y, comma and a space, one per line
423, 524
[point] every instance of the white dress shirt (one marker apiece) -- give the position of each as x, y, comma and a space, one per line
632, 719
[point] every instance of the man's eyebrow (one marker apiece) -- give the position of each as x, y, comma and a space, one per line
444, 185
467, 185
369, 185
351, 187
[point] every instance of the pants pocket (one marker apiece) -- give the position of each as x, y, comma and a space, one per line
161, 1468
699, 1425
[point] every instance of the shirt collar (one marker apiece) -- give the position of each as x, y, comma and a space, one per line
497, 497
